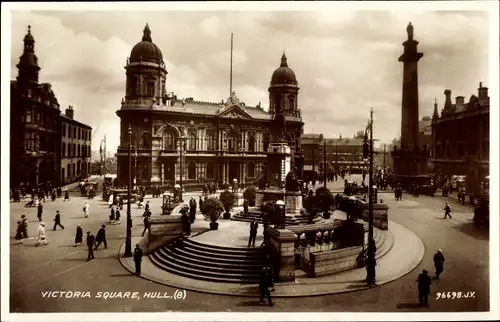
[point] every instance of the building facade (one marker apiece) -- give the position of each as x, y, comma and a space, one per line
341, 154
193, 142
425, 131
35, 125
76, 139
461, 137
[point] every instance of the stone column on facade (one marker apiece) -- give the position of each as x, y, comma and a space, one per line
177, 172
156, 173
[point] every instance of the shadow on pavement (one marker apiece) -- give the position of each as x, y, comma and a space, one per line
402, 306
122, 275
252, 303
469, 229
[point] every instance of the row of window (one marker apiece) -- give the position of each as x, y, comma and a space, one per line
36, 142
461, 150
134, 87
29, 93
39, 118
75, 169
75, 132
229, 144
75, 150
192, 173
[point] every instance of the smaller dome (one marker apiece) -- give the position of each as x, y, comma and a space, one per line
146, 50
284, 74
29, 36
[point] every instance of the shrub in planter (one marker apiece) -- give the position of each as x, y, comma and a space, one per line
249, 194
325, 200
227, 199
313, 206
267, 210
212, 209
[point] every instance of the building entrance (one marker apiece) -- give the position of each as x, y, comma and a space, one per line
234, 171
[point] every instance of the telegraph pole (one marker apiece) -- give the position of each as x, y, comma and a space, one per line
371, 252
324, 162
314, 161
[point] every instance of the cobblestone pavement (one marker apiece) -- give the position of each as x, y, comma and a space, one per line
61, 267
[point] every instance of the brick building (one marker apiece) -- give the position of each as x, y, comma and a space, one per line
461, 137
75, 148
35, 125
193, 142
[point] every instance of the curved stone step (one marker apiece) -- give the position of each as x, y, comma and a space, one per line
194, 243
206, 256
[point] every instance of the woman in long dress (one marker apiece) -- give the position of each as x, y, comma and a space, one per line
86, 209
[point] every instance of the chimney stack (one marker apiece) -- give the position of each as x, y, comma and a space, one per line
447, 102
482, 91
70, 112
459, 100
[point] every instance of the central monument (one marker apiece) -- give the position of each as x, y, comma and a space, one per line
410, 160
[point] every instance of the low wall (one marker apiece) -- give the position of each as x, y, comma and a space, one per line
331, 262
380, 214
163, 230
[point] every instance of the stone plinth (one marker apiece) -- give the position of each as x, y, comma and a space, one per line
293, 201
281, 243
380, 214
333, 261
238, 199
163, 230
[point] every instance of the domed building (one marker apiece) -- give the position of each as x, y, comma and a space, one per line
192, 142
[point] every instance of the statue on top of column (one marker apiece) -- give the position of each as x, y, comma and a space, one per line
409, 30
279, 128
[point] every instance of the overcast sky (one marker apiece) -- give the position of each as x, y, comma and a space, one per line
345, 62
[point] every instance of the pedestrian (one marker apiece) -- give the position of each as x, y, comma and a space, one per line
137, 259
254, 226
186, 222
147, 224
57, 220
41, 236
447, 211
19, 232
192, 210
66, 195
117, 216
112, 215
90, 245
24, 223
39, 211
264, 283
245, 207
53, 195
101, 237
78, 236
200, 203
86, 208
424, 288
438, 263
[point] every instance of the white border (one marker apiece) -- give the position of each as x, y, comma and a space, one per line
491, 6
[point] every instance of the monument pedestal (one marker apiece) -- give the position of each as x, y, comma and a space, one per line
281, 245
163, 230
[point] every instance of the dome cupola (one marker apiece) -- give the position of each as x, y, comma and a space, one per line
146, 50
283, 75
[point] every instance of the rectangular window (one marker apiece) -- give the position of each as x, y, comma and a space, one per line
28, 116
27, 141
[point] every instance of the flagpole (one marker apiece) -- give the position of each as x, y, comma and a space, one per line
231, 69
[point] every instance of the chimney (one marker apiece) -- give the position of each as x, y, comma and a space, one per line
70, 112
459, 100
482, 91
447, 102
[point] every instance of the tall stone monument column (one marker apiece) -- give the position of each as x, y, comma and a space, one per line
409, 116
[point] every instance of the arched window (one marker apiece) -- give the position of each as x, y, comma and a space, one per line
251, 170
231, 143
28, 117
210, 143
63, 149
292, 104
151, 89
265, 141
251, 144
210, 170
192, 142
74, 150
192, 170
168, 141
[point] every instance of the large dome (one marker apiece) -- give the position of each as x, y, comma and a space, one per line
146, 50
284, 74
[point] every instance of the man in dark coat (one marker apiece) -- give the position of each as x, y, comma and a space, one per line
424, 288
57, 220
192, 210
90, 245
78, 236
24, 224
147, 224
39, 211
200, 202
186, 221
101, 237
447, 211
264, 283
254, 226
137, 259
439, 262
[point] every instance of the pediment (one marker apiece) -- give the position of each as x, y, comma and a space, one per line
234, 111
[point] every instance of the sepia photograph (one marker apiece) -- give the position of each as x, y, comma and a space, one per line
253, 160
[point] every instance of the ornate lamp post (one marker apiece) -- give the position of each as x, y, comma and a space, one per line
368, 154
181, 157
128, 240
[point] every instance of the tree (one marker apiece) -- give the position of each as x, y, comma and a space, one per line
249, 194
325, 200
227, 199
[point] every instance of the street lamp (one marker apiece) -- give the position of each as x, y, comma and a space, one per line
324, 163
128, 240
368, 154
